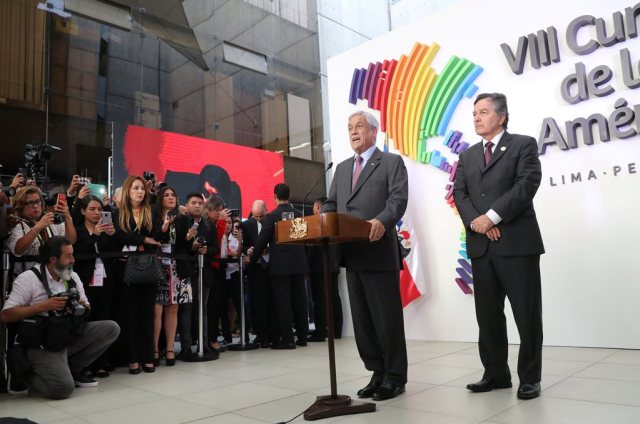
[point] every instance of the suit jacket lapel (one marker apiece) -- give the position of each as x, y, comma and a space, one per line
368, 169
499, 151
478, 155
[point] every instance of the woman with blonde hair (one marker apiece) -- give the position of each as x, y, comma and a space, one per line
137, 230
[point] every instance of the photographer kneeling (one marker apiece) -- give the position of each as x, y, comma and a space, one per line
57, 365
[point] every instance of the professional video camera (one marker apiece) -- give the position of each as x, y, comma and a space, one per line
35, 158
73, 305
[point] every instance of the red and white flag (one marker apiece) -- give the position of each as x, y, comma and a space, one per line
412, 284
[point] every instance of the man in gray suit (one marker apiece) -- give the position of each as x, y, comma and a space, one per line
373, 185
496, 181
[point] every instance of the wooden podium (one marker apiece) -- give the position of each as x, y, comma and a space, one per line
324, 229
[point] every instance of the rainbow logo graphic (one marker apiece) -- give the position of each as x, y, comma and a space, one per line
416, 104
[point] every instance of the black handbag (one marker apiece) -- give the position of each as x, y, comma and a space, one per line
143, 269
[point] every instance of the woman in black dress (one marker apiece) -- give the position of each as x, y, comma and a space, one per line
176, 289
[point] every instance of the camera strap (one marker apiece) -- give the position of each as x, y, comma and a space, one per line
41, 274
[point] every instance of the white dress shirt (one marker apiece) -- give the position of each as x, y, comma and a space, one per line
28, 290
366, 155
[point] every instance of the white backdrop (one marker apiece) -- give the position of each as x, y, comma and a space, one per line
590, 284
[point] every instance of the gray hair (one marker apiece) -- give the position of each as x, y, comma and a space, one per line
371, 120
499, 101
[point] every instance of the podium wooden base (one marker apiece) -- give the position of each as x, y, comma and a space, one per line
326, 406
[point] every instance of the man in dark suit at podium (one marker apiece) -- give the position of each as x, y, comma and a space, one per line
373, 185
287, 268
496, 181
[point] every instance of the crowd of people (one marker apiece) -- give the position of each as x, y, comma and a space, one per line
78, 239
496, 180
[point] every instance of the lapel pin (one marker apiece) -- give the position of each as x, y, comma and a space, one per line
503, 148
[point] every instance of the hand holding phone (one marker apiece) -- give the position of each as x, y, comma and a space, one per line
105, 218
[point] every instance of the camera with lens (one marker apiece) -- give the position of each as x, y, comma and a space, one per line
201, 241
58, 218
49, 199
73, 305
149, 175
9, 191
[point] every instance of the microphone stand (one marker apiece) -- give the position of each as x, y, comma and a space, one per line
304, 201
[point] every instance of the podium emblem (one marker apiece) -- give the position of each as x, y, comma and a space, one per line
298, 229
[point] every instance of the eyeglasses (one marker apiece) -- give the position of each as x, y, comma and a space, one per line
33, 203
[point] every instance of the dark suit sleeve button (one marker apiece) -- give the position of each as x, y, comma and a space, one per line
482, 195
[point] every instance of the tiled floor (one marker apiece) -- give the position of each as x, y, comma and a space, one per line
579, 386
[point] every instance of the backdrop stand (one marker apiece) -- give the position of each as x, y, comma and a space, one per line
244, 344
201, 355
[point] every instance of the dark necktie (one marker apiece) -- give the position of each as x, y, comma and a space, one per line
356, 172
487, 152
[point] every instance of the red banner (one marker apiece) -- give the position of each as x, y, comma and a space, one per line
238, 174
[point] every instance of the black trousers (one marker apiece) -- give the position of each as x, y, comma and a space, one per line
185, 315
207, 284
217, 305
290, 303
378, 323
233, 284
518, 278
261, 304
136, 319
102, 309
319, 312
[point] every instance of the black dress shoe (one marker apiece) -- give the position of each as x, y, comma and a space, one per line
314, 338
301, 342
486, 385
283, 346
528, 391
368, 390
388, 390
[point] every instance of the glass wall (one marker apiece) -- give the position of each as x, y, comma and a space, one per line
242, 72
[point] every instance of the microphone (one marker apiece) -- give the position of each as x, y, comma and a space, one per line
314, 185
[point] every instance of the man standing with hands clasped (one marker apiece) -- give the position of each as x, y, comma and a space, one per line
373, 185
496, 181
